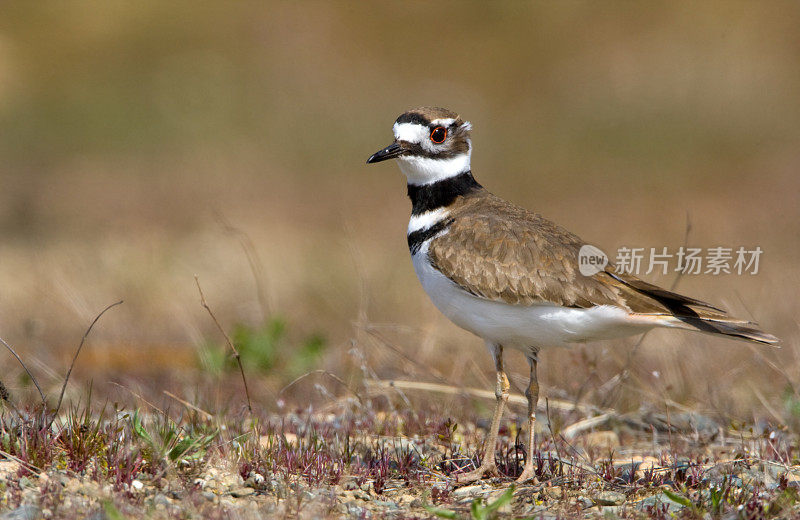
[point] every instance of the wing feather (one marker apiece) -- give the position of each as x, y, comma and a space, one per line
501, 252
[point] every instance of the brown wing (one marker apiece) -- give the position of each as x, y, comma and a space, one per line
502, 252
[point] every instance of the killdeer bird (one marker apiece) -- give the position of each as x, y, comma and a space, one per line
512, 277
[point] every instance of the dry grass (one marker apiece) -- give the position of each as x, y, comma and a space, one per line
390, 455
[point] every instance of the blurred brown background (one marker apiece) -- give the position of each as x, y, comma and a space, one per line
135, 134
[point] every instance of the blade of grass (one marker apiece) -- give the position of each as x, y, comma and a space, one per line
75, 358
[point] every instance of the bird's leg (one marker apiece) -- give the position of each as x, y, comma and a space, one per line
488, 465
532, 393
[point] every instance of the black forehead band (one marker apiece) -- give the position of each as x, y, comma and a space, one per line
413, 117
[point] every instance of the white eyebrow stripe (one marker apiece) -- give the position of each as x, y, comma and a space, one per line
427, 219
443, 122
411, 132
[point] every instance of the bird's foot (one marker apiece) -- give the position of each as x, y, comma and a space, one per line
528, 476
485, 470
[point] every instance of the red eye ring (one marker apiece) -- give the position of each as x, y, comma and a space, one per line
439, 134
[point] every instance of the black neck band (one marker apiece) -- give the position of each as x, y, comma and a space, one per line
418, 237
440, 193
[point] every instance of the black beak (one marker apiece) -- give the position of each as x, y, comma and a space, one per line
390, 152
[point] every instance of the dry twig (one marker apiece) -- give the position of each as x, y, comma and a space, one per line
35, 382
227, 340
577, 428
256, 266
378, 385
207, 416
141, 398
31, 467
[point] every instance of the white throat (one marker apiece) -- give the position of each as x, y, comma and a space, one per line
425, 170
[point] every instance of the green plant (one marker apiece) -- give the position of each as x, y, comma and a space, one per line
684, 501
259, 346
440, 511
165, 441
111, 511
479, 508
783, 502
263, 348
306, 357
82, 438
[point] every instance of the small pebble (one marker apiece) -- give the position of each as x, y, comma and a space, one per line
240, 492
609, 498
467, 490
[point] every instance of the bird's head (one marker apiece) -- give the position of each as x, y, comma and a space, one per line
430, 143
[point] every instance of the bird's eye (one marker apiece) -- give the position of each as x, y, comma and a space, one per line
439, 134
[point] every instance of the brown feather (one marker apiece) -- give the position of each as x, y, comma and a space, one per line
502, 252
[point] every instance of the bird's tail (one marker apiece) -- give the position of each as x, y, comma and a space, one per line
691, 314
731, 327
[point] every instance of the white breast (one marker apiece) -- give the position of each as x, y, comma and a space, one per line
518, 326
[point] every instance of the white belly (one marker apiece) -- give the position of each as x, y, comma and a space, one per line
518, 326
